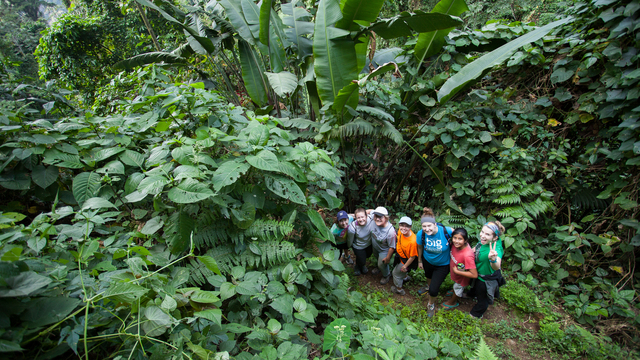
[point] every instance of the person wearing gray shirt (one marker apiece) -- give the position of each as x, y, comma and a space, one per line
359, 239
383, 240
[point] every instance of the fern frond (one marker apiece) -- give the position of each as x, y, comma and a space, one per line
356, 127
502, 189
269, 229
198, 272
508, 199
513, 211
299, 123
587, 199
530, 189
225, 256
500, 180
483, 352
389, 131
538, 207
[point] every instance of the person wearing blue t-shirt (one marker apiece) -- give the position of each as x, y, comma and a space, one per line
433, 256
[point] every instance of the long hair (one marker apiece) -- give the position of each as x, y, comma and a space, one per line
462, 232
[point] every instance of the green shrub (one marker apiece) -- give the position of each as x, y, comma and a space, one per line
519, 296
458, 326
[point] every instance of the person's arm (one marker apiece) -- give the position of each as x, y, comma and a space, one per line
405, 267
389, 254
351, 233
494, 259
471, 273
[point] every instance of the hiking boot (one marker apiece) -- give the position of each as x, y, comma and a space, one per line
375, 271
397, 291
431, 310
348, 260
357, 273
365, 270
423, 290
385, 280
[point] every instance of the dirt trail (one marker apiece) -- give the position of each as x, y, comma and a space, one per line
499, 312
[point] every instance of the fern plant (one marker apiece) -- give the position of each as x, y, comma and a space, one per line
483, 352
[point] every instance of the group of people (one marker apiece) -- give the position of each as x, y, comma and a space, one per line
436, 249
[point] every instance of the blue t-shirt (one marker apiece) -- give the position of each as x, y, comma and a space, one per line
437, 250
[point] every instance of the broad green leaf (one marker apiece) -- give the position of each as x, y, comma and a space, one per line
228, 173
286, 188
213, 315
300, 304
153, 184
335, 62
430, 43
305, 315
236, 328
337, 330
527, 265
48, 310
44, 176
107, 153
125, 292
24, 284
485, 136
365, 11
348, 95
296, 18
189, 191
153, 225
227, 290
210, 263
406, 23
283, 83
112, 168
264, 160
9, 346
204, 297
248, 288
476, 69
265, 17
132, 158
318, 222
253, 74
97, 203
85, 185
325, 170
158, 321
283, 304
508, 143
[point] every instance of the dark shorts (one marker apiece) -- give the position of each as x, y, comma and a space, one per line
341, 246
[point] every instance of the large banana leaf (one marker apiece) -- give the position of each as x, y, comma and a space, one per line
363, 11
430, 43
335, 62
476, 69
251, 13
404, 23
265, 20
283, 83
233, 8
253, 74
296, 17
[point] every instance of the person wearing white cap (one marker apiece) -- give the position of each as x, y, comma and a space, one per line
383, 239
406, 255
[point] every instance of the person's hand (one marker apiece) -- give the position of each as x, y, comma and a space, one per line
493, 254
420, 265
403, 269
385, 260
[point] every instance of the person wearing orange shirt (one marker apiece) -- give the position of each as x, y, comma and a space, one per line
406, 255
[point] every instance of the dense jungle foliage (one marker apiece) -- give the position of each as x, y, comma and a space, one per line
167, 183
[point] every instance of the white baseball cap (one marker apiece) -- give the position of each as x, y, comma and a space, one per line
406, 220
380, 211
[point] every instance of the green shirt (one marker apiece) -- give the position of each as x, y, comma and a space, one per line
482, 258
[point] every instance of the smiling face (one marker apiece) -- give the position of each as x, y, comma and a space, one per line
380, 220
458, 241
405, 229
343, 223
486, 235
361, 218
430, 228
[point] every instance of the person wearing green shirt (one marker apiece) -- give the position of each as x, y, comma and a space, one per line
489, 252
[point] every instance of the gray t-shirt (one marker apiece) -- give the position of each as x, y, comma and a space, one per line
359, 236
382, 238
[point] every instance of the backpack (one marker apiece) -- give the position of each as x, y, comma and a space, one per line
447, 236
